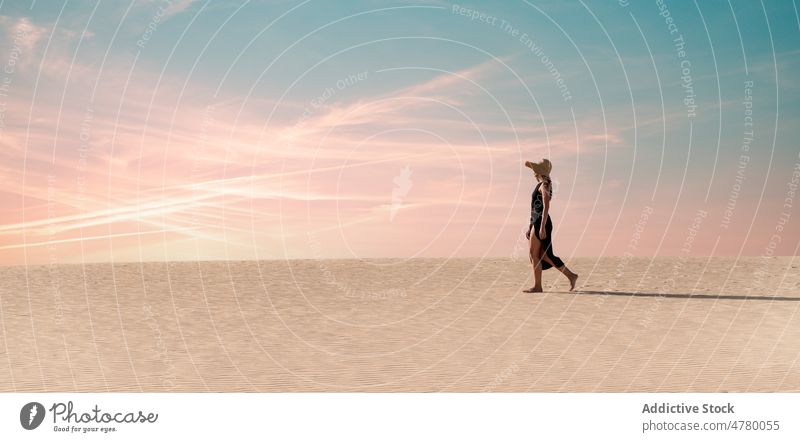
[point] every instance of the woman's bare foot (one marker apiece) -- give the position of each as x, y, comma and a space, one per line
533, 290
572, 279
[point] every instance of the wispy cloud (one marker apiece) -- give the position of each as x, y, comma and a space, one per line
176, 7
174, 150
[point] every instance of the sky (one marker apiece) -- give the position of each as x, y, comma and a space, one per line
160, 130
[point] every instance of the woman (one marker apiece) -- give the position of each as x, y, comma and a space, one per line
541, 253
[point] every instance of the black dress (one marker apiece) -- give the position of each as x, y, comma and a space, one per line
537, 206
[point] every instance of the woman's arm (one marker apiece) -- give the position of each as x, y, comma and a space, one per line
545, 210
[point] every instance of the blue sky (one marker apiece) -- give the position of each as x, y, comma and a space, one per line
210, 98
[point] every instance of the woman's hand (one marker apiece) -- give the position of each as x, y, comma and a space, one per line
528, 233
542, 232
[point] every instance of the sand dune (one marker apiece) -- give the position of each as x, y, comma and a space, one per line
635, 324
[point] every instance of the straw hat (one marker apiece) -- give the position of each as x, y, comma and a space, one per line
543, 167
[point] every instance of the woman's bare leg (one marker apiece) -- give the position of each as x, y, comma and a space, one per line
535, 255
573, 277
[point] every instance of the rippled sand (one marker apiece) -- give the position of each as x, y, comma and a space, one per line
394, 325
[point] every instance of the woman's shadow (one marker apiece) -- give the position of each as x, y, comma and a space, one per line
683, 295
